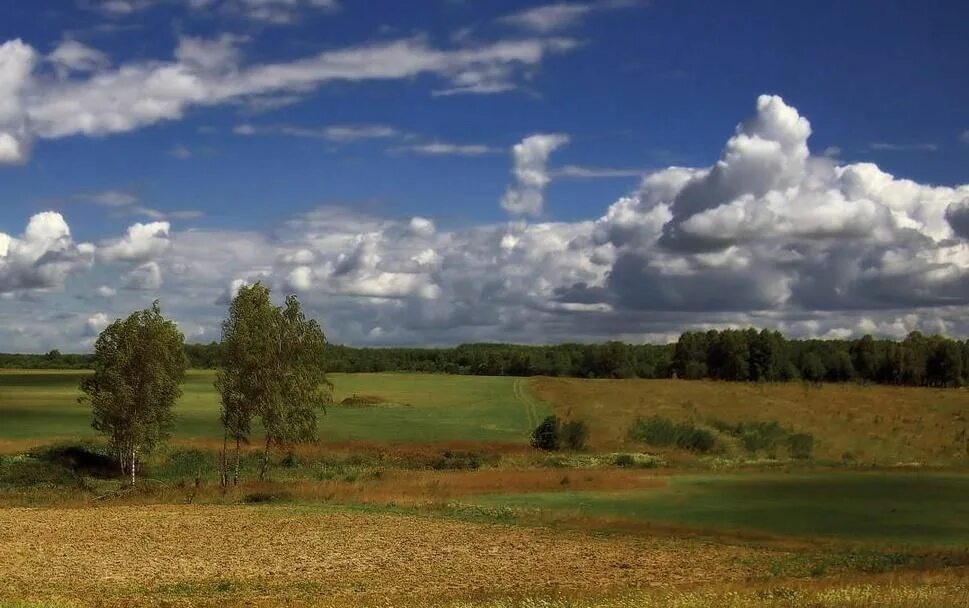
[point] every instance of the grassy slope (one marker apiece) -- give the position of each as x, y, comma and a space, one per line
879, 424
427, 407
920, 509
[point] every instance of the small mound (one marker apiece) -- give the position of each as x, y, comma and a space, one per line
356, 400
80, 458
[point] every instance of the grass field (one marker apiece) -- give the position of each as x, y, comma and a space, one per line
37, 406
917, 509
428, 495
872, 424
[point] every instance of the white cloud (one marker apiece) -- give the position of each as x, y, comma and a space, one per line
440, 148
142, 242
964, 138
110, 198
334, 133
72, 56
553, 17
917, 147
769, 235
526, 195
212, 72
272, 12
17, 62
579, 172
146, 277
95, 324
106, 291
180, 152
45, 256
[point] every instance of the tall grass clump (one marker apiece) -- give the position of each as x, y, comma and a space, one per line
769, 437
663, 432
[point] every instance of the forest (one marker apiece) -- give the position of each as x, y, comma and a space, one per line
745, 355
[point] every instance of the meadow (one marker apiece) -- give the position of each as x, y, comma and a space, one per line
424, 491
40, 406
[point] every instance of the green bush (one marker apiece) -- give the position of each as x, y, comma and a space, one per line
84, 459
26, 472
768, 437
186, 463
801, 445
547, 435
762, 436
257, 498
663, 432
450, 460
575, 433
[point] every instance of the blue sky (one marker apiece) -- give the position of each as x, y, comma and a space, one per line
294, 141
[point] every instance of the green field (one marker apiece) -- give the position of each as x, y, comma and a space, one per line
921, 509
420, 408
494, 515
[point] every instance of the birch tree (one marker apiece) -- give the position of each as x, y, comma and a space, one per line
272, 369
139, 365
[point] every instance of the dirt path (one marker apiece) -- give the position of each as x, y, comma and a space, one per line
529, 401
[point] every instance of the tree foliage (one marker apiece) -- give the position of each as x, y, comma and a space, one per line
139, 364
272, 368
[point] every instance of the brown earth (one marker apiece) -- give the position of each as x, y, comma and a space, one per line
180, 555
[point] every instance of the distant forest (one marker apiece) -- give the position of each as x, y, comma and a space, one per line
735, 355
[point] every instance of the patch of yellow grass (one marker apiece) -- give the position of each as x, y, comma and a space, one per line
876, 424
219, 555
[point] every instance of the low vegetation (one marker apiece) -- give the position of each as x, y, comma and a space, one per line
663, 432
428, 489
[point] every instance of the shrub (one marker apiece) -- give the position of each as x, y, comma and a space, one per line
663, 432
636, 461
575, 433
757, 436
456, 460
547, 435
21, 472
256, 498
769, 436
187, 463
801, 445
79, 458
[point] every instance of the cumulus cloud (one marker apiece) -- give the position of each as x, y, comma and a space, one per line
770, 235
103, 100
44, 256
142, 242
530, 156
95, 324
17, 62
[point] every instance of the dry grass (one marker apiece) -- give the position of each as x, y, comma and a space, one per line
424, 487
875, 424
128, 556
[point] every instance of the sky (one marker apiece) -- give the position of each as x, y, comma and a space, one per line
448, 171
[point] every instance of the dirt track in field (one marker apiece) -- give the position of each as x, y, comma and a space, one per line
175, 554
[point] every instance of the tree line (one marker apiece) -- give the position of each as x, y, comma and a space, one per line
747, 355
734, 355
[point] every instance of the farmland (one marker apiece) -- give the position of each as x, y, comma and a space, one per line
424, 491
39, 405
